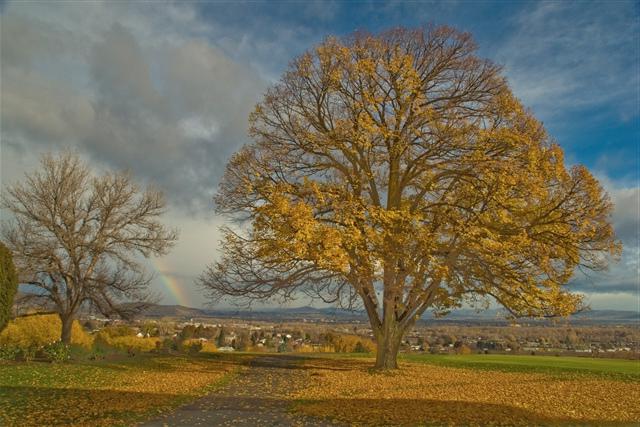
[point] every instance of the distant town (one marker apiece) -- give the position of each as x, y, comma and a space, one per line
307, 329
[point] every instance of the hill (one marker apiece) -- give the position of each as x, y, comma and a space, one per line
332, 314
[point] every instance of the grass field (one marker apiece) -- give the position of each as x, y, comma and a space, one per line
104, 393
600, 367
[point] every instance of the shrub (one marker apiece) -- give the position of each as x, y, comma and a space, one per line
9, 352
130, 343
463, 349
39, 330
360, 348
117, 331
353, 344
57, 351
8, 285
209, 347
194, 348
166, 346
27, 353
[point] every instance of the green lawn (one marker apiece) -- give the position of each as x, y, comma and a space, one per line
560, 365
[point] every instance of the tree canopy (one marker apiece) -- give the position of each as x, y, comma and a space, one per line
399, 170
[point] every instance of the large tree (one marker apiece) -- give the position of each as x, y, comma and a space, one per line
399, 171
78, 238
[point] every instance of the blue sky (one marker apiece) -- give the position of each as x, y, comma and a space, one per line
164, 89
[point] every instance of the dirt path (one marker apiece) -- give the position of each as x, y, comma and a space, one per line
256, 397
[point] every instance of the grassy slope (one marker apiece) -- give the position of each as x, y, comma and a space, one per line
609, 368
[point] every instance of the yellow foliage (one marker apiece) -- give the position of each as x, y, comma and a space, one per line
129, 342
430, 178
304, 348
349, 344
207, 346
40, 330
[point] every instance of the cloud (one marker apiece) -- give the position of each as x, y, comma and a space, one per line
563, 57
623, 276
144, 91
139, 88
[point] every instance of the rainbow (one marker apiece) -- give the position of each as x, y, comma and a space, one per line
171, 283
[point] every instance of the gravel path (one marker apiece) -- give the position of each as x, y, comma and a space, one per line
255, 397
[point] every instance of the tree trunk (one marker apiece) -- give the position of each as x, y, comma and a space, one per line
67, 323
388, 346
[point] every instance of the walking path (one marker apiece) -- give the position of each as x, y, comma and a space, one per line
256, 397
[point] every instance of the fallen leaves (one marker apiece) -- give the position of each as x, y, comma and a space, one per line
102, 394
423, 394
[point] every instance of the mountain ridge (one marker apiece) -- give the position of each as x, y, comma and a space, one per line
337, 314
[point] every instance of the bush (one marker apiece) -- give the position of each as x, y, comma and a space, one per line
57, 351
209, 347
130, 343
194, 348
117, 331
353, 344
27, 353
9, 352
463, 349
8, 285
39, 330
166, 346
360, 348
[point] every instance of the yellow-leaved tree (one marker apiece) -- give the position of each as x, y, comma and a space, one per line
399, 171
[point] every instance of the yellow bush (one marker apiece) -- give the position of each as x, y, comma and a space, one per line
207, 347
40, 330
129, 342
349, 344
303, 348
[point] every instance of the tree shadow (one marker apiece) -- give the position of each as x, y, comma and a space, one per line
35, 406
427, 412
38, 406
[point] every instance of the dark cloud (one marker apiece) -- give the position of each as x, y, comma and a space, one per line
171, 111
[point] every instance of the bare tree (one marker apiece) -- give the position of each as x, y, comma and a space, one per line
78, 239
400, 170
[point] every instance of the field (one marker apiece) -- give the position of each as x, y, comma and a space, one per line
427, 390
582, 366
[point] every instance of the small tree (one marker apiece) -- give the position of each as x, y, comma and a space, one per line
77, 238
221, 340
8, 285
399, 170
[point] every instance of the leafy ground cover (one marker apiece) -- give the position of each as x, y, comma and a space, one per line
440, 391
106, 393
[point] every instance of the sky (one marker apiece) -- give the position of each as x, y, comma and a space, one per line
164, 90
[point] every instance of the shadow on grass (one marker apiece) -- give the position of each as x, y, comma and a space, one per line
38, 406
433, 413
